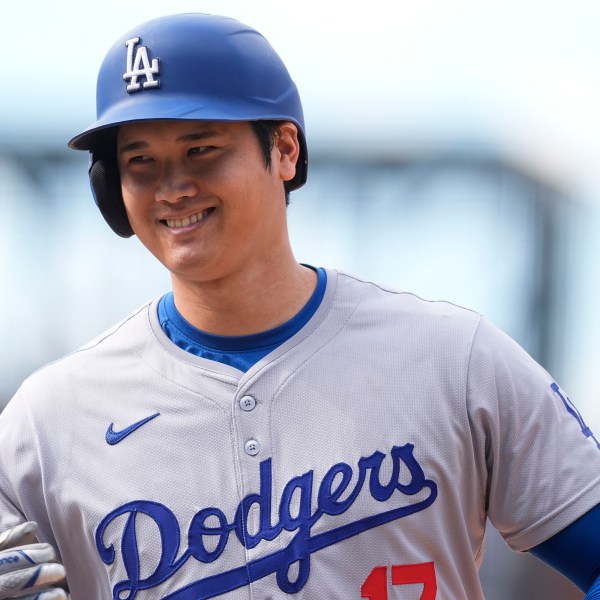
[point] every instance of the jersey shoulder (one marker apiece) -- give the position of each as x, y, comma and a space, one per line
101, 356
400, 308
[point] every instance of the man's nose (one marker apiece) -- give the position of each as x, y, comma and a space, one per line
175, 183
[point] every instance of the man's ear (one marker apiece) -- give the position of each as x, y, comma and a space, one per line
287, 150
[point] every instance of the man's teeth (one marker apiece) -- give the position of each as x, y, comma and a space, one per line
188, 220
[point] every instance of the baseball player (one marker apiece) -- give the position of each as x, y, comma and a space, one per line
269, 429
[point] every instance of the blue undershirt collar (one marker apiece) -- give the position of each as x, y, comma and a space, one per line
241, 352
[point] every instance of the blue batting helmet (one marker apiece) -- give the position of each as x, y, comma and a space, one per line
184, 67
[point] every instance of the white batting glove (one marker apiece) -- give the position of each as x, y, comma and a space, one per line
28, 570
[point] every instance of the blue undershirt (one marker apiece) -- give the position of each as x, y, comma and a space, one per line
241, 352
574, 552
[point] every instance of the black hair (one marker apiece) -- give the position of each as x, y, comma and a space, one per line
266, 131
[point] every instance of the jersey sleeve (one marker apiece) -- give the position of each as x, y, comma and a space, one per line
538, 462
20, 479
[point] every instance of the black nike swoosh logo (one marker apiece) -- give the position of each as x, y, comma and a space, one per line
114, 437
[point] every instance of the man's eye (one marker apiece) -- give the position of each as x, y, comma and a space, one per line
139, 159
199, 149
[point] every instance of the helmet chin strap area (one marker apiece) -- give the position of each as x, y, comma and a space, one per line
106, 187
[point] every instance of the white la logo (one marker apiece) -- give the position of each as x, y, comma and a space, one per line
140, 67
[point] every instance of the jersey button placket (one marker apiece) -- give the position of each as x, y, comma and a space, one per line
247, 404
252, 447
252, 418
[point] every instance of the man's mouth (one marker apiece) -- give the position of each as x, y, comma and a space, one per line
187, 221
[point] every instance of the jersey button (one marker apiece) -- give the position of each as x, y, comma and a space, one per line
252, 447
247, 403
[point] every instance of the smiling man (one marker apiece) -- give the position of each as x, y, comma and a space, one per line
201, 198
268, 429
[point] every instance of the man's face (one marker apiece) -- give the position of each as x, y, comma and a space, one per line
199, 196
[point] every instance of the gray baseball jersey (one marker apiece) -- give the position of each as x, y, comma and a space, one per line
358, 460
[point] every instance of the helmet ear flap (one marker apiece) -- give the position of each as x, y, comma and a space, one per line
105, 182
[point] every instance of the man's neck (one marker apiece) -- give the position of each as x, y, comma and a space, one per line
248, 303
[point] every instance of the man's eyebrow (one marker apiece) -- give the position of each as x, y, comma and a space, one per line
132, 146
198, 136
186, 137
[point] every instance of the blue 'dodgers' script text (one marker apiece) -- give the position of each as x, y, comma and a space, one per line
336, 494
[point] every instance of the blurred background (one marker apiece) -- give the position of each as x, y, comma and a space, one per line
454, 152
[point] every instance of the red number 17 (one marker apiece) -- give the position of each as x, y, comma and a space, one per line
375, 586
